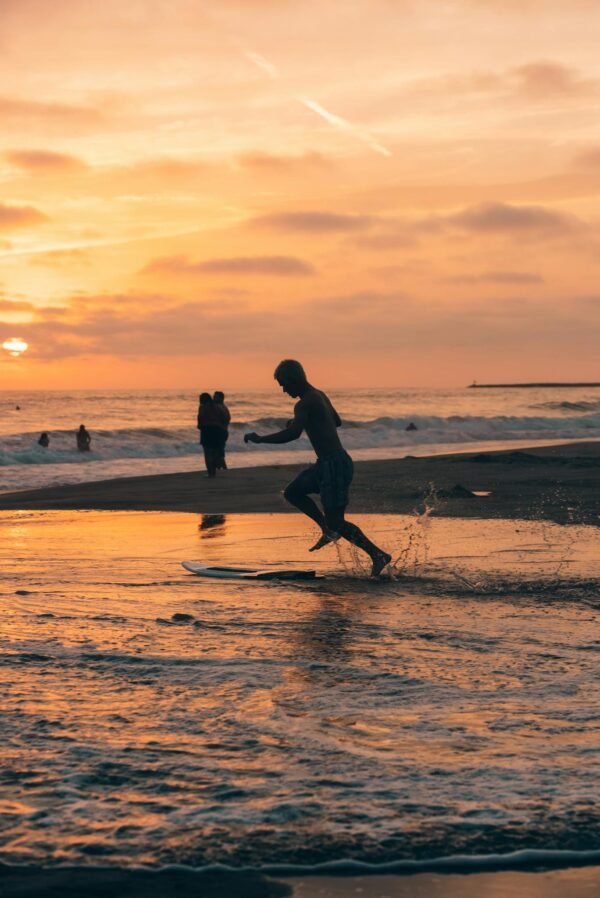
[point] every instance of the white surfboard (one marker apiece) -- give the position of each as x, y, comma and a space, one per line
246, 573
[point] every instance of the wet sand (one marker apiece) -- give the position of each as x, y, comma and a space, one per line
554, 483
557, 483
107, 883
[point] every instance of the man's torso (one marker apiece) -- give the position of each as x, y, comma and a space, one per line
320, 426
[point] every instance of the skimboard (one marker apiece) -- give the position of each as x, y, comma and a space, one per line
245, 573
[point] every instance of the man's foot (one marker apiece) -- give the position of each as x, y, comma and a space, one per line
381, 560
327, 537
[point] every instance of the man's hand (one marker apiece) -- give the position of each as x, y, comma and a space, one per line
251, 438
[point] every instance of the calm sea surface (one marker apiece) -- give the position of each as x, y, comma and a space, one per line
151, 432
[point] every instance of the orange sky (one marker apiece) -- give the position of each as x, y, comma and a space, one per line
397, 192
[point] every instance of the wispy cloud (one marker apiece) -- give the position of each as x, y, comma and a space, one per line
15, 305
496, 277
155, 326
59, 258
43, 160
313, 221
13, 217
483, 219
18, 110
490, 217
589, 158
269, 162
278, 266
549, 79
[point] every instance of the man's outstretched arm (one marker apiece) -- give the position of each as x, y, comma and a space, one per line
287, 435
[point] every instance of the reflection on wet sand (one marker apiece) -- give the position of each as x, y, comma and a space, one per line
151, 715
325, 634
212, 526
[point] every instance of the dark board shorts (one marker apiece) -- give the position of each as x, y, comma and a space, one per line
330, 477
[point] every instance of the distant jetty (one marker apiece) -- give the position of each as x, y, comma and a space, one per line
476, 386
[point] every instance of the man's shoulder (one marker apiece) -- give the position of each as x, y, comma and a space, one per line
311, 398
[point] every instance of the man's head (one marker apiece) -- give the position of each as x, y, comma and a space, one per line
290, 375
219, 396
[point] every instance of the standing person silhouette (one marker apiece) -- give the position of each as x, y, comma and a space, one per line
209, 425
332, 474
219, 401
83, 439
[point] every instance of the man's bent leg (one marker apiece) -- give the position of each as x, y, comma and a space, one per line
296, 493
335, 521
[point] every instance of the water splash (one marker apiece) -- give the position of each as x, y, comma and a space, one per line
537, 561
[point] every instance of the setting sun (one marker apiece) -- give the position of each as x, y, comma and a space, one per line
15, 346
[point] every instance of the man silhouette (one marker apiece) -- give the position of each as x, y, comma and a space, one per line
331, 475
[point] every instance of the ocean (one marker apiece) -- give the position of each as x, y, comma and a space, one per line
138, 432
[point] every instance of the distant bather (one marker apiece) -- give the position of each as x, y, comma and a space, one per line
83, 439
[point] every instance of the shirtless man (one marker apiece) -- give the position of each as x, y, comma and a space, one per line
331, 475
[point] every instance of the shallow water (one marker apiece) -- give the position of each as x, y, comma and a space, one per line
452, 709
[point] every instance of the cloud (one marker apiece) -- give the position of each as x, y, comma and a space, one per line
44, 160
492, 218
589, 158
496, 277
56, 258
153, 326
273, 164
261, 265
167, 167
14, 110
497, 217
313, 222
548, 79
14, 305
534, 82
12, 217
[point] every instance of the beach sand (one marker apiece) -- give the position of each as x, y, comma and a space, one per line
74, 883
557, 483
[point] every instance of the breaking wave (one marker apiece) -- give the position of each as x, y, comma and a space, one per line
379, 433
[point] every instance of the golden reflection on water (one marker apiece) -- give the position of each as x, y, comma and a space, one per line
141, 700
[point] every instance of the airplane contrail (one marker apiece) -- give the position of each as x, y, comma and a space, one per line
335, 121
344, 125
271, 70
